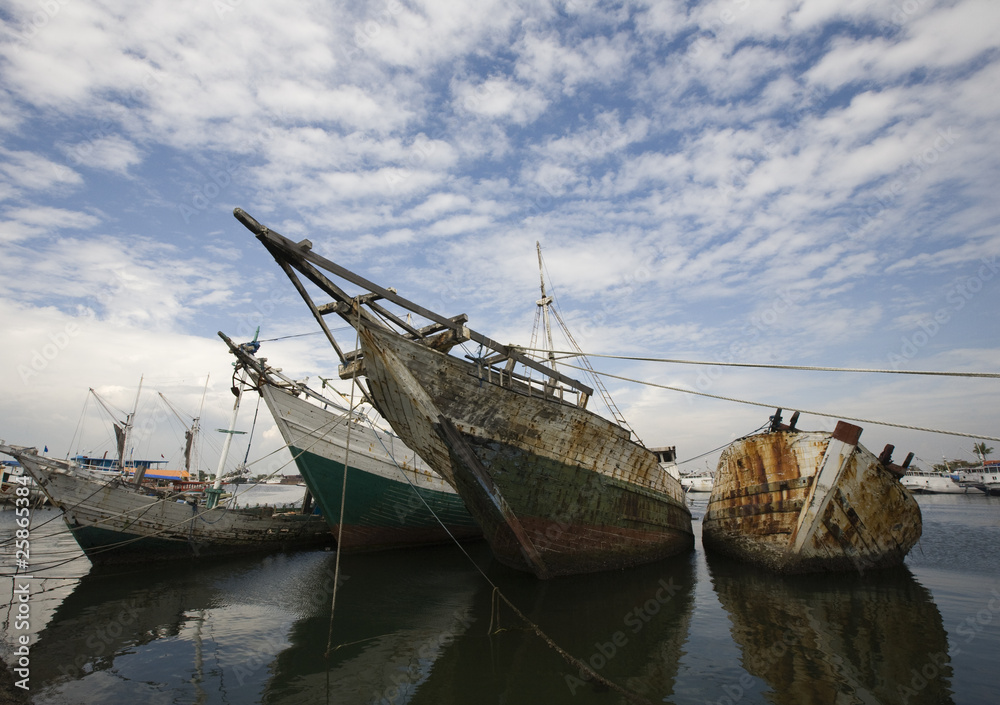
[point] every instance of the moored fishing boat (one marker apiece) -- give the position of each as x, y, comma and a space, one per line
800, 501
393, 498
931, 482
12, 476
116, 518
556, 488
985, 478
698, 482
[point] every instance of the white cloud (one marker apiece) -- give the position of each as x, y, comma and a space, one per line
498, 98
728, 150
112, 153
35, 172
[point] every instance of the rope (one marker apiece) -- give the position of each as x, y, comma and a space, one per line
570, 658
494, 616
143, 510
929, 373
792, 408
343, 498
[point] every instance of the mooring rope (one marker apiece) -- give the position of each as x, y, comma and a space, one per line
318, 436
810, 368
770, 405
343, 497
569, 658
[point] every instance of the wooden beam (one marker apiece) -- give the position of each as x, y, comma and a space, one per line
302, 253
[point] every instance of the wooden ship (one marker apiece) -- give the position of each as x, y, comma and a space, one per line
555, 488
803, 501
394, 498
116, 518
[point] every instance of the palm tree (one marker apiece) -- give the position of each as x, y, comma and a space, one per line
982, 451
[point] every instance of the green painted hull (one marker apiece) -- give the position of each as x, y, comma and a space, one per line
380, 512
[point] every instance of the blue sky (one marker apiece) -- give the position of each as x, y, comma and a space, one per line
778, 182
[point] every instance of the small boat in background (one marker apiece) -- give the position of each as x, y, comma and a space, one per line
698, 482
931, 482
117, 518
986, 478
12, 476
799, 501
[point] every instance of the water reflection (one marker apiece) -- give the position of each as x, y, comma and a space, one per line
876, 638
395, 613
202, 631
630, 626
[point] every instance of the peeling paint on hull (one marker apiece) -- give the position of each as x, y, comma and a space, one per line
797, 502
117, 523
556, 489
387, 506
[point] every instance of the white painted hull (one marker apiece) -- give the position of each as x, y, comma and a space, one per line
932, 483
697, 484
988, 482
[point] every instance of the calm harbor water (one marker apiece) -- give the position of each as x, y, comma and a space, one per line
415, 626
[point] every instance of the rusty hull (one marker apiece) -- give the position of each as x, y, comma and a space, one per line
798, 501
556, 489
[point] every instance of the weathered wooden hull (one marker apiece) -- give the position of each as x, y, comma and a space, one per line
388, 506
556, 489
797, 501
115, 522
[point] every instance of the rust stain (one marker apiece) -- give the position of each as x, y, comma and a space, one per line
765, 482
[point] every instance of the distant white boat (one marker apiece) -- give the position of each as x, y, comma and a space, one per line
931, 482
12, 476
698, 481
985, 478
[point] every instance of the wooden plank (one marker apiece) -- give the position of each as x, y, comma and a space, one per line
301, 252
469, 459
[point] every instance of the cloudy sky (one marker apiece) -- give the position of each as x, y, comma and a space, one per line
785, 182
